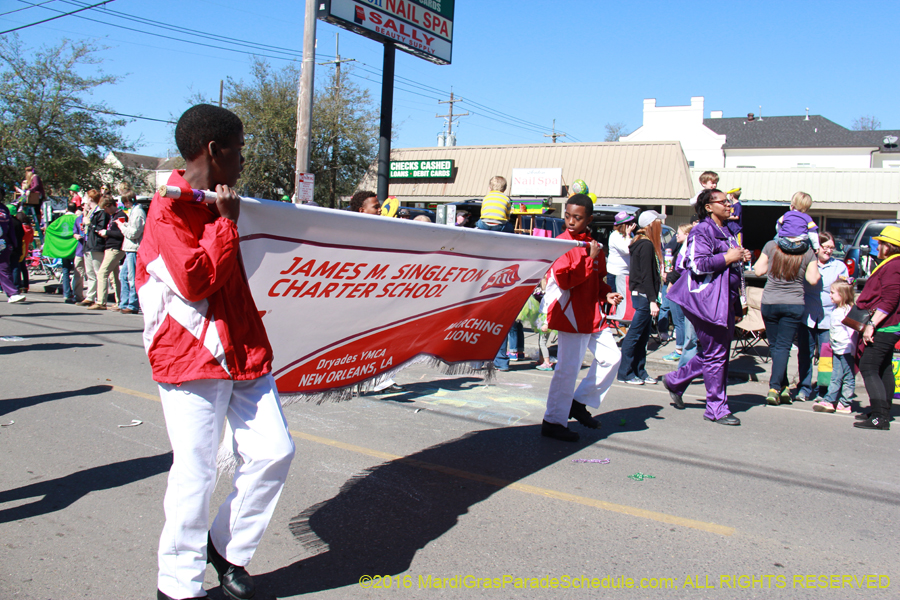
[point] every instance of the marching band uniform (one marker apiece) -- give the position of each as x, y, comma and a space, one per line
575, 313
709, 293
211, 357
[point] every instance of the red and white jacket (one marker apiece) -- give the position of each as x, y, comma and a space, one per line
200, 321
574, 307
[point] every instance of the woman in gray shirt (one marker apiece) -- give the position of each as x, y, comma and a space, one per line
782, 308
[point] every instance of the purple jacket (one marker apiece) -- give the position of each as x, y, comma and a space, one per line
708, 288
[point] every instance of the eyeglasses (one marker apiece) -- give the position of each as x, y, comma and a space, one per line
828, 248
722, 202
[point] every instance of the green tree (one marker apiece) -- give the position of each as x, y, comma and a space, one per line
46, 117
268, 107
343, 136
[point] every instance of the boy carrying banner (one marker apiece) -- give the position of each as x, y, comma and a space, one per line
212, 360
576, 289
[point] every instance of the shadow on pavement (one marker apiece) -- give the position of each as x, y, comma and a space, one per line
384, 515
14, 404
62, 492
7, 350
412, 391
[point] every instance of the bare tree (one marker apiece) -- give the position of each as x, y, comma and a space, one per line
866, 123
614, 131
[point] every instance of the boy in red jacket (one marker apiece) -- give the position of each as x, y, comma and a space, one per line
212, 360
580, 281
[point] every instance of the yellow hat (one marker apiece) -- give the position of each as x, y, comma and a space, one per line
734, 191
890, 234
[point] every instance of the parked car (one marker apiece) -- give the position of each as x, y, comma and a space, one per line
409, 212
861, 255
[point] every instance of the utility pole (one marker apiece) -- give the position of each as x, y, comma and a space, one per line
554, 135
305, 96
336, 138
450, 117
221, 91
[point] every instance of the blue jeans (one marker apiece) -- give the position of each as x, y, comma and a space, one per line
129, 298
843, 381
20, 274
678, 319
634, 344
501, 361
689, 350
68, 268
506, 227
516, 338
809, 339
665, 315
782, 322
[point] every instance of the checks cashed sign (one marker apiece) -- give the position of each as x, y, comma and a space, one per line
421, 27
347, 297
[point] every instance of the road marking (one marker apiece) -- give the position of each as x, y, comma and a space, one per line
121, 390
522, 487
500, 483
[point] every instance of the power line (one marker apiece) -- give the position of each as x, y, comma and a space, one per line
56, 17
118, 114
403, 84
9, 12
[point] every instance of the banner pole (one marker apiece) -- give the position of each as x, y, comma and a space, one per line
387, 107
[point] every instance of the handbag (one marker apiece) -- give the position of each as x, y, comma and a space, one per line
857, 318
33, 199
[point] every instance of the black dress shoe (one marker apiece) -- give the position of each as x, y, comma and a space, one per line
728, 419
558, 432
865, 416
580, 413
235, 581
161, 596
873, 423
675, 396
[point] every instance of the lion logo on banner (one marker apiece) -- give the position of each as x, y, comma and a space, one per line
505, 277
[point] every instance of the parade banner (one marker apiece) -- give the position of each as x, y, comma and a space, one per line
349, 298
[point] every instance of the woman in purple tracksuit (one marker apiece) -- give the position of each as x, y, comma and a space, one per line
709, 293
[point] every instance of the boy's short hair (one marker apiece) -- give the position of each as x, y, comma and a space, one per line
708, 176
71, 207
359, 198
801, 201
497, 184
93, 194
106, 201
128, 197
202, 124
582, 200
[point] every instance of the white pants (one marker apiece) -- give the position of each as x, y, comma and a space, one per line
195, 416
569, 354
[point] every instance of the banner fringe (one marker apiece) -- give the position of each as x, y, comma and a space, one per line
483, 368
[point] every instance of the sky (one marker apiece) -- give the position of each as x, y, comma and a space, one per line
518, 65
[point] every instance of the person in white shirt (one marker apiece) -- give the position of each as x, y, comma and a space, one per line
843, 348
618, 260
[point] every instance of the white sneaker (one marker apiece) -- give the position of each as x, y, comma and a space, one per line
16, 298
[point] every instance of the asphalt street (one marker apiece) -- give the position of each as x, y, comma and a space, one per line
444, 490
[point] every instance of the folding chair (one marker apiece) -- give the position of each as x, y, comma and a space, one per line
751, 331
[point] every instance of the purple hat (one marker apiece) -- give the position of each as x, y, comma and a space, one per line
623, 217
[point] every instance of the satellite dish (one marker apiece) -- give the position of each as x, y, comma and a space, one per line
890, 140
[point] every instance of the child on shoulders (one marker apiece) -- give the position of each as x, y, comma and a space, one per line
796, 230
